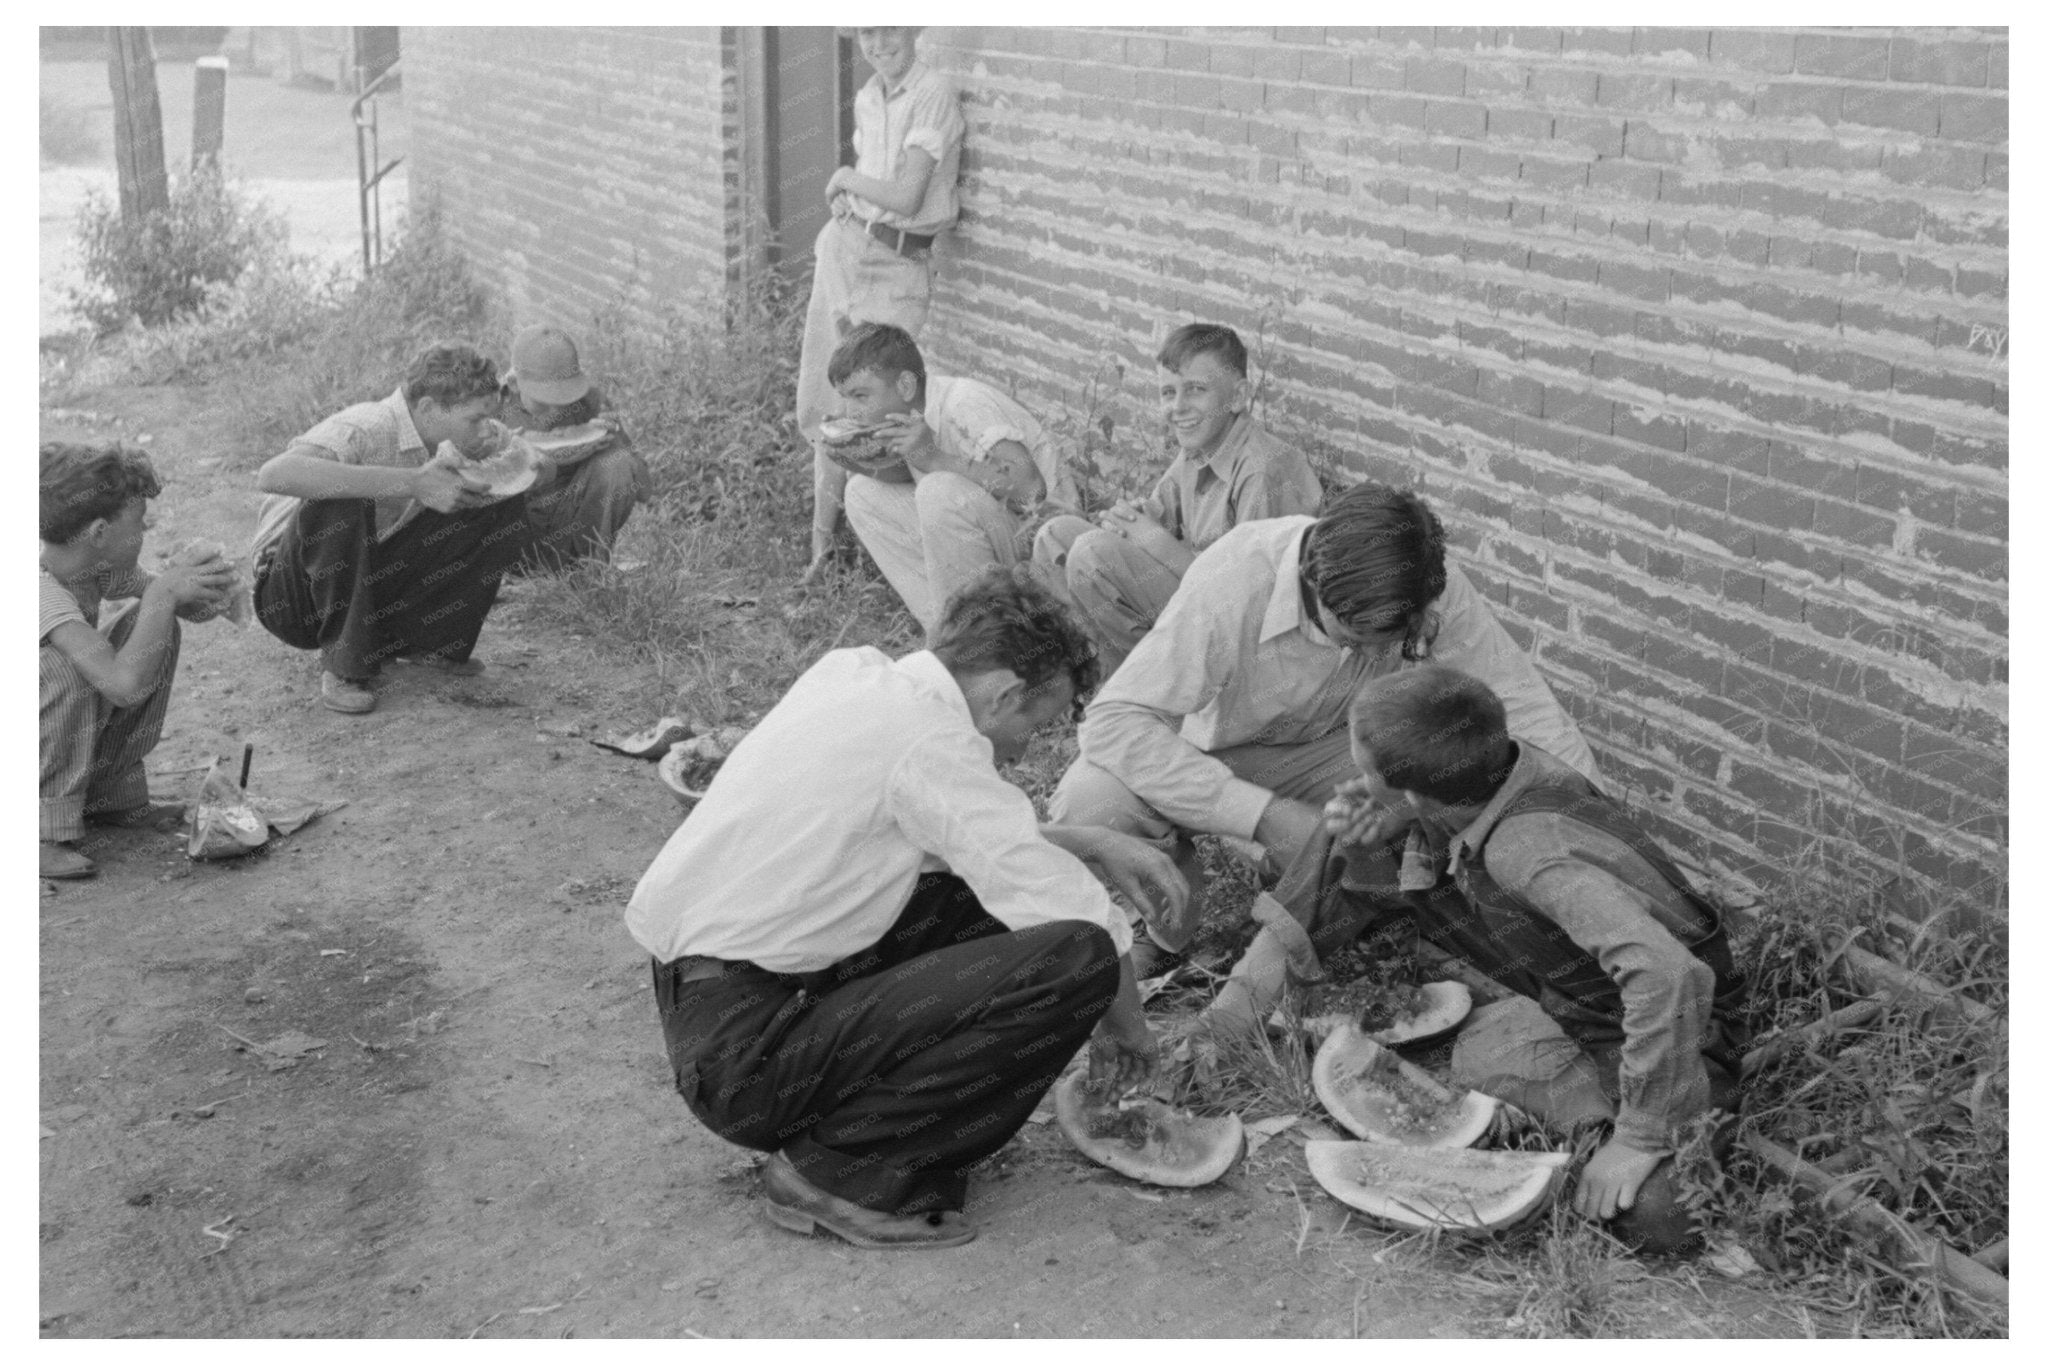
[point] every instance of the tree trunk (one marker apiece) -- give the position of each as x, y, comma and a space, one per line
138, 123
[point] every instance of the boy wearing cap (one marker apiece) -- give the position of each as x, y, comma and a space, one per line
872, 259
962, 473
1228, 470
372, 547
596, 486
105, 684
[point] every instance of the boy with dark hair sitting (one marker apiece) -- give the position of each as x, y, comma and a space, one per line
1623, 1019
1227, 470
869, 957
372, 547
965, 469
105, 686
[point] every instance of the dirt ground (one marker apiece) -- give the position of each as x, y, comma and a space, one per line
487, 1142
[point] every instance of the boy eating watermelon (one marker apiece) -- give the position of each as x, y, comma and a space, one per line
1622, 1024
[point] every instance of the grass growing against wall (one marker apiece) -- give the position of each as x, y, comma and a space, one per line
1909, 1108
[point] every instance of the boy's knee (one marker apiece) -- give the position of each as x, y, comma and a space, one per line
946, 494
1055, 540
611, 476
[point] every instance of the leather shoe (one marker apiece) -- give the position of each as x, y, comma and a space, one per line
60, 864
350, 698
162, 818
795, 1203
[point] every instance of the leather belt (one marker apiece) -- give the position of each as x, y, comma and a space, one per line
898, 241
688, 969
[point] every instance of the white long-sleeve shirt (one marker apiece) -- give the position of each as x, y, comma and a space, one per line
866, 775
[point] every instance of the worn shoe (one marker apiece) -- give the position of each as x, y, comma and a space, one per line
341, 694
795, 1203
60, 864
454, 668
161, 818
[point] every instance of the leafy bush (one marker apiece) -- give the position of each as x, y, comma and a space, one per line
160, 268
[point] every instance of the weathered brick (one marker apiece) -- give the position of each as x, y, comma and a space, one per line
1435, 76
1768, 504
1909, 111
1599, 136
1324, 67
1973, 118
1530, 39
1642, 182
1767, 50
1865, 59
1958, 167
1915, 495
1996, 76
1935, 62
1718, 99
1799, 99
1455, 119
1978, 557
1618, 42
1632, 92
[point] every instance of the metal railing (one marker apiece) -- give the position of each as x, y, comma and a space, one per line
369, 201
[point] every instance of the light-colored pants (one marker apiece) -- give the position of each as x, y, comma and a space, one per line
854, 279
932, 537
92, 750
1115, 588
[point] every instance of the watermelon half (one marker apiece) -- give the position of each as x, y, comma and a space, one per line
1382, 1098
1145, 1139
1456, 1191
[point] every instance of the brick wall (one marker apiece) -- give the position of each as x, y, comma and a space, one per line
1696, 337
585, 167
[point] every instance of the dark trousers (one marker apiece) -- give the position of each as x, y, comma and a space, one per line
330, 584
883, 1077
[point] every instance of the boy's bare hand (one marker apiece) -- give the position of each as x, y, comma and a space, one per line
197, 585
1611, 1179
1353, 817
909, 439
438, 487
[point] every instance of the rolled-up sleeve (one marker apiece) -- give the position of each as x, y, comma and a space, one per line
1470, 638
948, 800
1667, 993
936, 125
1277, 483
1132, 729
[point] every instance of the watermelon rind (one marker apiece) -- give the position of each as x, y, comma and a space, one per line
1414, 1189
1445, 1005
1194, 1151
1367, 1109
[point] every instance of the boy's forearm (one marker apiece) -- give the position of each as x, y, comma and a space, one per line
316, 479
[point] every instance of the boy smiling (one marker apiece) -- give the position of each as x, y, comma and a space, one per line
1227, 470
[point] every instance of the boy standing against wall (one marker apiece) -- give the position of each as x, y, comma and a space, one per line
105, 690
1228, 470
872, 259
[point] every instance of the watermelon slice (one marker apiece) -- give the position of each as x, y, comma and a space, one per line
511, 470
1439, 1008
1457, 1191
652, 742
575, 440
1383, 1098
1143, 1138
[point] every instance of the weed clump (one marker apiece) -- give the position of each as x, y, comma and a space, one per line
163, 266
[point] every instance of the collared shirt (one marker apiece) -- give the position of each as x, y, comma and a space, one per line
866, 775
1233, 660
969, 419
1558, 867
923, 112
1250, 475
379, 433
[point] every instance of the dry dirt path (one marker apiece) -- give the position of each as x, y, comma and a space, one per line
488, 1143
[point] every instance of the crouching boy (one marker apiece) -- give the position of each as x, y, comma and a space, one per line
597, 485
1623, 1021
105, 689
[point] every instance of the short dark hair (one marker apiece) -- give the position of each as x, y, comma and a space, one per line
1375, 561
1204, 338
1434, 731
1008, 619
879, 346
83, 483
450, 372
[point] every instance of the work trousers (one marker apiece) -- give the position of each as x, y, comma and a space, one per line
93, 750
883, 1077
933, 537
330, 584
580, 516
1116, 588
